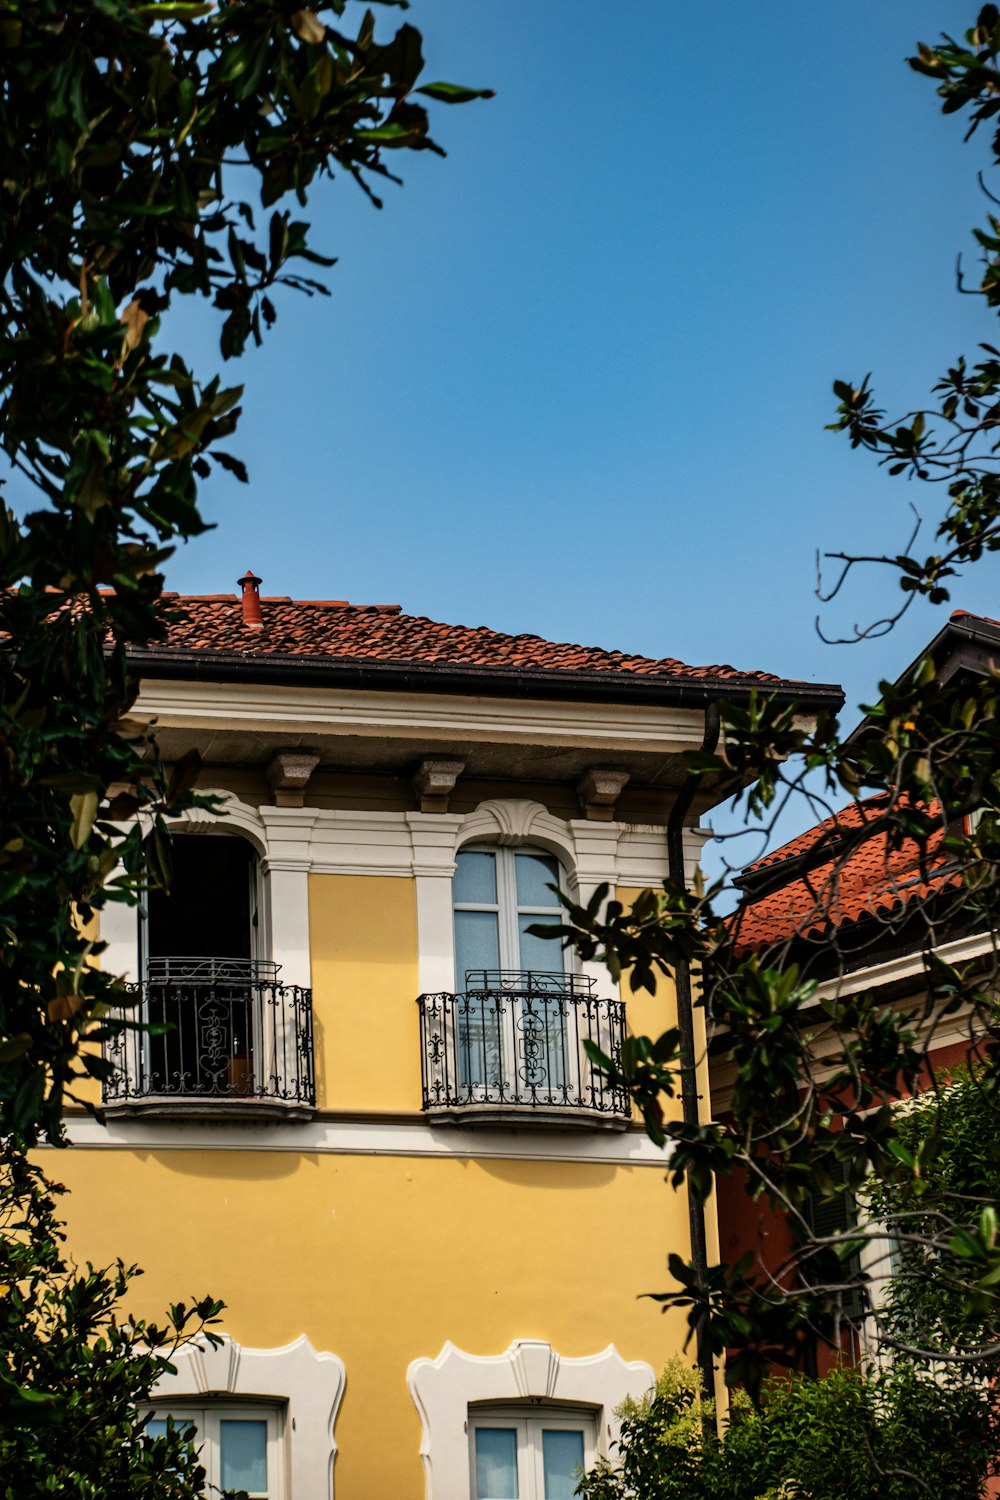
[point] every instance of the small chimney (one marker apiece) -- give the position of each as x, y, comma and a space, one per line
250, 585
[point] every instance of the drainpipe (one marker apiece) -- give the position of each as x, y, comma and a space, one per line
685, 1024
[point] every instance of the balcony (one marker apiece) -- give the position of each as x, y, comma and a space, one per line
221, 1036
509, 1050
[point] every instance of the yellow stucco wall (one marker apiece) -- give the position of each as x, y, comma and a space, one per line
363, 940
381, 1259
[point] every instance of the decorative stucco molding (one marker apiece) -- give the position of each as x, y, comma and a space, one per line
530, 1370
516, 820
233, 816
310, 1381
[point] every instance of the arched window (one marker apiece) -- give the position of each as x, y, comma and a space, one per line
220, 1028
512, 1036
202, 971
498, 894
512, 1016
211, 910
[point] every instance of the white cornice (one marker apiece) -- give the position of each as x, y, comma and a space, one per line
375, 1138
211, 707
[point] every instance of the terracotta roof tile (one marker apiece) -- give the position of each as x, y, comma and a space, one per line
337, 631
840, 888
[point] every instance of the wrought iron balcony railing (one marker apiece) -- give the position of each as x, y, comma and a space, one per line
215, 1033
511, 1045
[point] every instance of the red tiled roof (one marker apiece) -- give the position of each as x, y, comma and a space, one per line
334, 630
841, 887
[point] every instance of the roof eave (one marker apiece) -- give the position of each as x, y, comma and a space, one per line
445, 677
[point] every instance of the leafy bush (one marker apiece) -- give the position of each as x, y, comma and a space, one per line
75, 1372
894, 1436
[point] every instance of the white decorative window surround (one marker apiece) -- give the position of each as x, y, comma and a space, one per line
309, 1381
280, 837
444, 1388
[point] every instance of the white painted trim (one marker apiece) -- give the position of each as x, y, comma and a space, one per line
529, 1370
235, 817
311, 1381
907, 966
282, 840
630, 1148
444, 717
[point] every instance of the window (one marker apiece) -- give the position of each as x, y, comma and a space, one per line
511, 1037
828, 1216
241, 1447
222, 1027
512, 1021
515, 1455
200, 942
498, 895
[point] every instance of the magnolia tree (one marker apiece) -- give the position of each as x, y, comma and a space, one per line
150, 153
819, 1075
77, 1373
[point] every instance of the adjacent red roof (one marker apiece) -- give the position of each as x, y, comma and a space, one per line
334, 630
844, 885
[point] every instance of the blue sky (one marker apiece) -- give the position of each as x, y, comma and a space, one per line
574, 378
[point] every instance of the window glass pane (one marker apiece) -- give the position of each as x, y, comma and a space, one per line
476, 943
542, 954
562, 1458
243, 1456
496, 1463
156, 1427
476, 878
534, 873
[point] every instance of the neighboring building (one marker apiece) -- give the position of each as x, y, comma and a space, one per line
858, 920
371, 1127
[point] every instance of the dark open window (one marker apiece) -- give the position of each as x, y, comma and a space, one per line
200, 970
219, 1029
211, 911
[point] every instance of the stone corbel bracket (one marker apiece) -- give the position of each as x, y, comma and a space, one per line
288, 775
434, 783
599, 790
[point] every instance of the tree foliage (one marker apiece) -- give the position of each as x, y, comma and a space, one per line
149, 152
77, 1371
842, 1438
933, 1293
819, 1072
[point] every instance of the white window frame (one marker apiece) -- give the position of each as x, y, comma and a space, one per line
444, 1389
207, 1421
529, 1424
306, 1383
508, 910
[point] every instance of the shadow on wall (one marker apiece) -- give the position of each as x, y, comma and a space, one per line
550, 1177
224, 1166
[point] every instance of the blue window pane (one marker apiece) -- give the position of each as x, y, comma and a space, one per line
476, 878
477, 945
542, 954
496, 1463
156, 1427
243, 1456
562, 1460
535, 873
483, 1024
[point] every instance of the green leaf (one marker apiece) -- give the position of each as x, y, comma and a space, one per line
453, 93
83, 807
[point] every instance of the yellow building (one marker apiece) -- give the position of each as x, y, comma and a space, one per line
369, 1124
